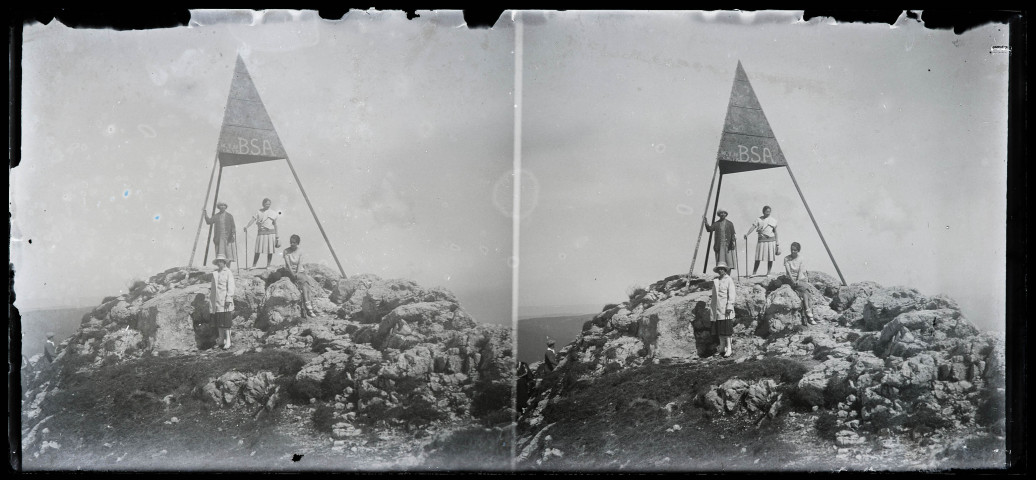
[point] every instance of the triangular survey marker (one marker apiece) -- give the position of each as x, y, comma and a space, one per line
247, 135
747, 142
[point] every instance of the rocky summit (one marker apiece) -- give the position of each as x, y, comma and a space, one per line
888, 379
386, 374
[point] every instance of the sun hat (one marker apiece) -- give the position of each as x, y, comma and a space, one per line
722, 211
50, 334
719, 266
220, 258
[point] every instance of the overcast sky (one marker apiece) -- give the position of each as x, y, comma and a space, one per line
402, 134
896, 135
399, 130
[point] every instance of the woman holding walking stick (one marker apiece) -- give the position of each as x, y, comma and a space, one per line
725, 242
224, 233
767, 247
266, 239
797, 273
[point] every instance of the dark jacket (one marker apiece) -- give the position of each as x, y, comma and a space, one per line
550, 360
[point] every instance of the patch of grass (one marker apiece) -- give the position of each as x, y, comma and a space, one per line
883, 419
490, 397
836, 390
827, 425
983, 451
335, 382
323, 418
110, 387
925, 420
299, 391
624, 411
635, 291
470, 448
990, 407
320, 345
805, 399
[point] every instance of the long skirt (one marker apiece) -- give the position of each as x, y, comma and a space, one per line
224, 319
766, 251
727, 256
266, 243
723, 327
226, 247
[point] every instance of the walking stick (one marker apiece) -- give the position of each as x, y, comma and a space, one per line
746, 255
736, 260
246, 247
237, 254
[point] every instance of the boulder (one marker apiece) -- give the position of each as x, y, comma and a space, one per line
811, 386
783, 311
123, 343
749, 303
281, 305
670, 329
249, 294
886, 304
825, 284
165, 320
384, 296
732, 392
623, 324
325, 277
761, 395
845, 296
918, 371
346, 288
623, 352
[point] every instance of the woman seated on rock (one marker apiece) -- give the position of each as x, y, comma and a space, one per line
221, 299
293, 269
723, 308
797, 274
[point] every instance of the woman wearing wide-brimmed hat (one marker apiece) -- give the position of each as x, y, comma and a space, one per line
224, 233
723, 308
221, 299
725, 244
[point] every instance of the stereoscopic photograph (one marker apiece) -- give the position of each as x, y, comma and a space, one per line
762, 243
266, 241
563, 241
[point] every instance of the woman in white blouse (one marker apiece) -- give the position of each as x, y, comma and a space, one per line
797, 273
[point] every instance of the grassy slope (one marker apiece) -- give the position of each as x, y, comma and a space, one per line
619, 421
115, 418
622, 413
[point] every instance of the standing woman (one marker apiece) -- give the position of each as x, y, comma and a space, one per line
224, 233
797, 273
723, 309
768, 247
266, 239
221, 299
294, 270
725, 245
